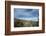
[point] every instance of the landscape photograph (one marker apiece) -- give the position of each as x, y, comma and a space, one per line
25, 17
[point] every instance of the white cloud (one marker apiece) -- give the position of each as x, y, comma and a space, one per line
33, 19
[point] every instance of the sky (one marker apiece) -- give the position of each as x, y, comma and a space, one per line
27, 14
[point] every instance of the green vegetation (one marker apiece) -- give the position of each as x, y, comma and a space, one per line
25, 23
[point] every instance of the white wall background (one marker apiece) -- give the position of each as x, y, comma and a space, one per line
2, 18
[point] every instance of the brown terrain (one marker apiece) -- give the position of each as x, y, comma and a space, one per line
25, 23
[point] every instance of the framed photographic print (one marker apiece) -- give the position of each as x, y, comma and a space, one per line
24, 17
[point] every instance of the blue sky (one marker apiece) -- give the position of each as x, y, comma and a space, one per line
26, 13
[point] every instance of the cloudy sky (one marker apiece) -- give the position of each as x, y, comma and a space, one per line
26, 13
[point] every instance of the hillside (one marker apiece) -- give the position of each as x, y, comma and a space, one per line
25, 23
